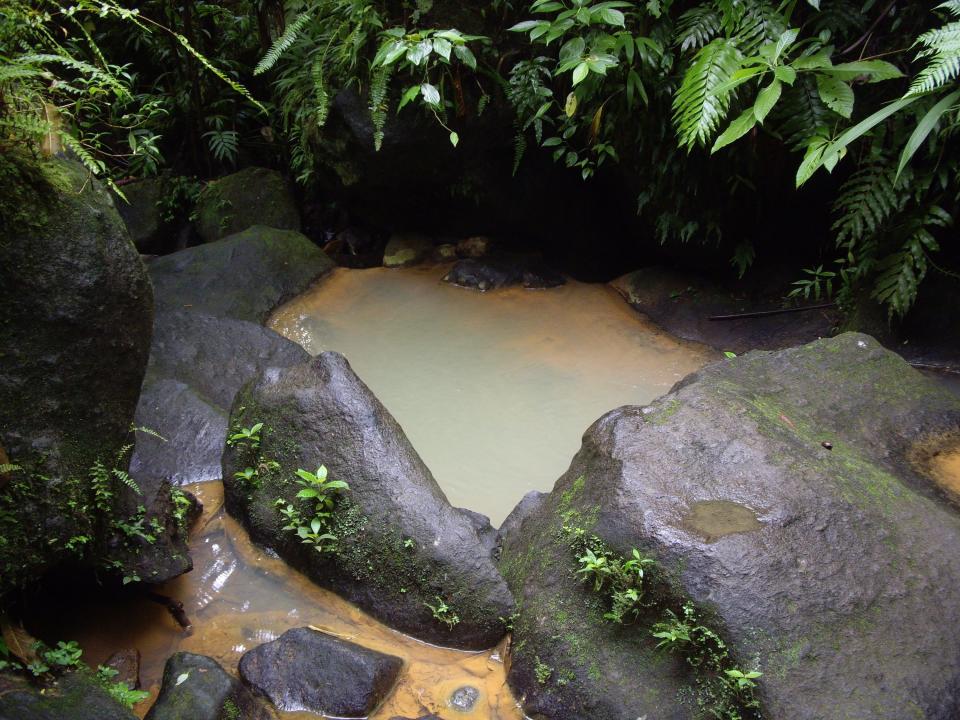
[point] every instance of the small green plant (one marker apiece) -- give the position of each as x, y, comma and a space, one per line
320, 494
181, 506
119, 691
64, 656
444, 613
622, 580
541, 671
246, 437
134, 527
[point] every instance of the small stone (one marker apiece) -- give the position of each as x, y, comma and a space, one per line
827, 445
464, 698
127, 665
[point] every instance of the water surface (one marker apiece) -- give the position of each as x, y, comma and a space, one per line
493, 389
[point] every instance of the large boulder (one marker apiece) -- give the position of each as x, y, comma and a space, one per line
76, 310
406, 249
197, 364
777, 494
244, 276
402, 552
196, 687
75, 696
308, 670
253, 196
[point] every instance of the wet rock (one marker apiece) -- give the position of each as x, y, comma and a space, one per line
196, 687
76, 310
683, 304
406, 249
197, 364
244, 276
142, 215
253, 196
474, 247
503, 271
422, 717
464, 698
127, 665
75, 696
830, 569
400, 543
447, 252
308, 670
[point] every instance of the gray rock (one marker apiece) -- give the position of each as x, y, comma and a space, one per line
76, 309
197, 364
683, 305
195, 687
491, 273
406, 249
474, 247
835, 572
76, 696
141, 214
253, 196
306, 670
244, 276
127, 665
401, 545
464, 698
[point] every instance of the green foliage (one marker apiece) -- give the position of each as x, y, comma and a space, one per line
313, 520
443, 613
542, 671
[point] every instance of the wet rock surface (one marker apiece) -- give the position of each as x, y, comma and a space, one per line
76, 309
683, 304
244, 276
401, 546
252, 196
76, 696
845, 583
464, 698
308, 670
406, 249
141, 214
197, 364
503, 271
195, 687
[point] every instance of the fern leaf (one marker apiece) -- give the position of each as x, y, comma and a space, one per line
867, 201
210, 67
320, 95
801, 114
942, 47
698, 108
758, 24
124, 477
697, 27
282, 44
379, 84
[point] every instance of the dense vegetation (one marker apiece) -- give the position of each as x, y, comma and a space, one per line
693, 101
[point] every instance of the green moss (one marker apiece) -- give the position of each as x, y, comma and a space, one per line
664, 412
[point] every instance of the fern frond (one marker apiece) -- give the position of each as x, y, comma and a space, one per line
867, 201
759, 23
124, 477
698, 109
801, 114
379, 84
951, 6
91, 163
519, 149
942, 47
84, 68
697, 27
210, 67
282, 43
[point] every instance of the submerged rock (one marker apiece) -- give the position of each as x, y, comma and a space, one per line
195, 687
401, 548
76, 309
406, 249
464, 698
253, 196
197, 364
244, 276
75, 696
503, 271
834, 572
308, 670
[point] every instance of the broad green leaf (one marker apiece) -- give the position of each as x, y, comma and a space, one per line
814, 61
738, 128
420, 52
454, 140
466, 56
786, 40
580, 72
571, 49
925, 127
766, 99
430, 94
527, 25
307, 493
340, 484
570, 108
786, 74
315, 525
612, 17
836, 94
408, 95
442, 48
814, 4
873, 70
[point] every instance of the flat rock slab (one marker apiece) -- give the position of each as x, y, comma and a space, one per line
682, 305
196, 687
244, 276
777, 492
197, 364
306, 670
400, 547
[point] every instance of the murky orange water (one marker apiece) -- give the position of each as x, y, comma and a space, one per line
238, 597
945, 468
494, 390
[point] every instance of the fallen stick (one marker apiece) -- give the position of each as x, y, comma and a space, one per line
174, 607
765, 313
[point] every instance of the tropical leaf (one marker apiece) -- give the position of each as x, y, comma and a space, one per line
698, 108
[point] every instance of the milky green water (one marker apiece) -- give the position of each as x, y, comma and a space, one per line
494, 390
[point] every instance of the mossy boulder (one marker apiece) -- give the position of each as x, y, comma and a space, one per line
253, 196
75, 696
76, 313
196, 687
406, 249
307, 670
140, 211
777, 494
197, 364
400, 547
244, 276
